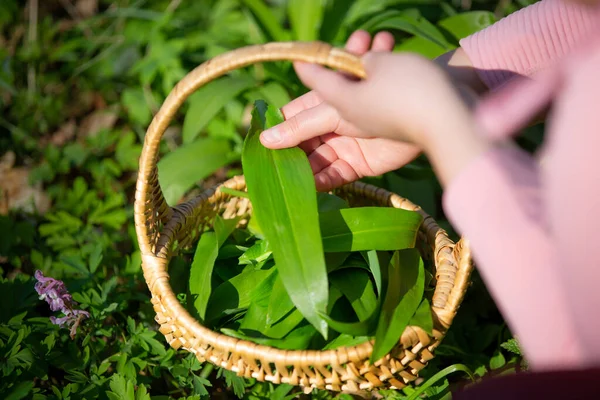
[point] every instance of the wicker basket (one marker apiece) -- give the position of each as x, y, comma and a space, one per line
161, 228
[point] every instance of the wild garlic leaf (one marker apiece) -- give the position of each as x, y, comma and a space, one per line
423, 318
356, 286
280, 303
201, 271
330, 202
240, 291
207, 250
282, 189
259, 252
369, 228
406, 279
298, 339
345, 340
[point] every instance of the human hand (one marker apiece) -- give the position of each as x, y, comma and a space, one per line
405, 97
336, 151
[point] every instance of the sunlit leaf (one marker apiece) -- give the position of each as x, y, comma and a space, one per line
305, 18
409, 21
298, 339
207, 101
204, 262
240, 291
265, 18
406, 279
369, 228
423, 318
181, 169
283, 194
466, 24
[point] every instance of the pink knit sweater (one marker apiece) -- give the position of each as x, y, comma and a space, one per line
533, 224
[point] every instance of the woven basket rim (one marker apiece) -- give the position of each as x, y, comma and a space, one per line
316, 357
157, 223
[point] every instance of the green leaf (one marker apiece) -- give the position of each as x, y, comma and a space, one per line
135, 103
201, 271
95, 258
334, 13
281, 392
369, 228
356, 285
142, 393
208, 101
423, 317
267, 20
200, 384
121, 388
298, 339
497, 361
406, 279
235, 382
329, 202
280, 303
465, 24
256, 317
240, 291
274, 94
513, 346
305, 18
258, 253
224, 227
439, 376
335, 260
284, 326
20, 391
409, 21
345, 340
254, 228
421, 46
181, 169
375, 258
358, 328
283, 194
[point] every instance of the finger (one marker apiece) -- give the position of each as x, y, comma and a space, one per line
310, 145
332, 86
322, 157
383, 41
358, 43
301, 127
299, 104
337, 174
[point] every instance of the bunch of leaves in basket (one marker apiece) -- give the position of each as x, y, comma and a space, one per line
307, 271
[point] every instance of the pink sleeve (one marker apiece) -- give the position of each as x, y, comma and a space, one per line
529, 40
533, 228
572, 176
496, 202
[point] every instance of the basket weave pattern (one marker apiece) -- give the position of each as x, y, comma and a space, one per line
161, 230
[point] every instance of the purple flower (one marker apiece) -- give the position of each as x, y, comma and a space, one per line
55, 293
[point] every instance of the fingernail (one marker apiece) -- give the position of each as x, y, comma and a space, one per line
271, 135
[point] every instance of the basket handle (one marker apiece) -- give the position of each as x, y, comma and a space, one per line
147, 185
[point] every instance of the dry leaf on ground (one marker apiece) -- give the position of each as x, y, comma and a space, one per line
15, 191
97, 121
87, 8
